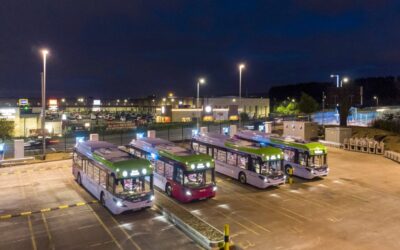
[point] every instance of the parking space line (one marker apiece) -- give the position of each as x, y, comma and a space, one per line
34, 247
126, 234
46, 226
43, 210
105, 227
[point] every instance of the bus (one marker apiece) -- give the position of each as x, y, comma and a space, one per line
260, 167
120, 181
304, 159
181, 173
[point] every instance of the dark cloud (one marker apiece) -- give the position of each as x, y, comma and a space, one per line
135, 48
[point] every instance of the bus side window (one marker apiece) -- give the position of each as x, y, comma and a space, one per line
232, 159
110, 186
103, 178
202, 149
210, 151
221, 155
160, 167
302, 159
90, 170
216, 153
195, 146
289, 155
169, 170
242, 161
96, 174
179, 175
256, 165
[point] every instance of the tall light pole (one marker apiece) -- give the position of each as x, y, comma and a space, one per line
337, 80
200, 81
241, 67
344, 80
44, 54
377, 100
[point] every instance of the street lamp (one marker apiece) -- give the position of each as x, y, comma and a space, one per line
241, 67
344, 80
44, 52
337, 80
377, 100
200, 81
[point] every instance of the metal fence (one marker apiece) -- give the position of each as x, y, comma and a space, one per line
172, 132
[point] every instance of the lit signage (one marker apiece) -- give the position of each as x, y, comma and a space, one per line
163, 110
23, 102
318, 151
96, 102
53, 102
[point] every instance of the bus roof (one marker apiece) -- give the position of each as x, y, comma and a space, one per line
117, 161
266, 153
170, 150
312, 147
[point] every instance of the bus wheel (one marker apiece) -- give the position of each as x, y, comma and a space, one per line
289, 170
78, 179
242, 178
168, 190
102, 201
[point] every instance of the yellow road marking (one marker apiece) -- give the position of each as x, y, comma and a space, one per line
63, 206
105, 228
46, 226
4, 173
7, 216
45, 210
126, 234
80, 204
34, 247
26, 213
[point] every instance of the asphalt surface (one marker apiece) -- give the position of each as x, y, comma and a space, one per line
72, 223
355, 207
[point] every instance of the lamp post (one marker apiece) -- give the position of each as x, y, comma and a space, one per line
377, 100
200, 81
44, 54
344, 80
337, 80
241, 67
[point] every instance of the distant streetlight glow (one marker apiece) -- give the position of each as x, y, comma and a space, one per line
377, 100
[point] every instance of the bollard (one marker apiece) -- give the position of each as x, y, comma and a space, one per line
226, 237
290, 170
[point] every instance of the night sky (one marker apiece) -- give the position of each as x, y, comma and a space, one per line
137, 48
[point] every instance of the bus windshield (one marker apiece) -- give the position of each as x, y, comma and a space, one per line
270, 167
198, 178
317, 160
131, 186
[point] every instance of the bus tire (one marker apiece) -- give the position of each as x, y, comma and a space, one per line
79, 179
168, 190
287, 167
102, 201
242, 178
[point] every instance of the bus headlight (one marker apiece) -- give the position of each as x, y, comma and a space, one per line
192, 166
215, 188
144, 171
312, 171
188, 193
119, 204
152, 197
265, 179
208, 164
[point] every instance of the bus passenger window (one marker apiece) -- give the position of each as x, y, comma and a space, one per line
216, 153
103, 178
160, 168
221, 155
202, 149
96, 174
195, 146
90, 170
242, 162
110, 187
169, 170
210, 151
179, 175
232, 159
289, 155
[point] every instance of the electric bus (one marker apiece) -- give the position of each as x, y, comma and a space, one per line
183, 174
121, 182
306, 159
260, 167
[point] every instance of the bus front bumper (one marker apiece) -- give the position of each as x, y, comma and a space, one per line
122, 206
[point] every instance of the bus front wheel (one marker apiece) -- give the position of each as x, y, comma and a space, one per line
289, 170
242, 178
168, 190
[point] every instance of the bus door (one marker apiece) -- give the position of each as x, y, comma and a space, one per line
254, 169
177, 183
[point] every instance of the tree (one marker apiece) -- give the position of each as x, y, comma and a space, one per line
6, 129
307, 104
244, 116
287, 108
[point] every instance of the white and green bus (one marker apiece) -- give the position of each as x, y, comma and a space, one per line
260, 167
121, 182
305, 159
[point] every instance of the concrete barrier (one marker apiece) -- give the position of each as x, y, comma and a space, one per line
395, 156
